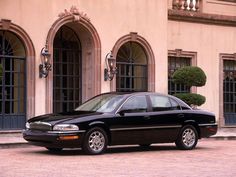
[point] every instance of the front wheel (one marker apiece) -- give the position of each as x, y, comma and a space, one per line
187, 138
95, 141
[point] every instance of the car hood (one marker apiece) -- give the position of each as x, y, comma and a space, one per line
56, 118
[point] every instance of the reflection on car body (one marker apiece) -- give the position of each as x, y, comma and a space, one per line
114, 118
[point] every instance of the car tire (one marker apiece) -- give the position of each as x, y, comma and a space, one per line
54, 149
187, 138
95, 141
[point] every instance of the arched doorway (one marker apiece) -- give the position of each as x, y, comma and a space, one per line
90, 61
67, 70
13, 81
131, 62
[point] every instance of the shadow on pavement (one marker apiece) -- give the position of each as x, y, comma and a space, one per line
112, 150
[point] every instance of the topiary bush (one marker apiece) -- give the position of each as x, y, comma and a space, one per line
191, 99
190, 76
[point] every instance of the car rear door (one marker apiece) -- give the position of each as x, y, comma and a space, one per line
166, 118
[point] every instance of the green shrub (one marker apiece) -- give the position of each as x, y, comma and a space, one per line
190, 76
192, 99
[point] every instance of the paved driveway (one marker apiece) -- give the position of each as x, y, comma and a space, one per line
211, 158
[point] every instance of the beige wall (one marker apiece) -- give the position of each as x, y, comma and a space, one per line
219, 7
208, 41
112, 20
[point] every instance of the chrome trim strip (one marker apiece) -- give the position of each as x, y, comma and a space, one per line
212, 124
140, 128
65, 132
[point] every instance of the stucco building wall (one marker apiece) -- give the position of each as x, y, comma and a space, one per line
209, 41
111, 21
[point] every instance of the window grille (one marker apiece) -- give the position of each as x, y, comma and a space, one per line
132, 68
66, 70
12, 82
175, 63
229, 92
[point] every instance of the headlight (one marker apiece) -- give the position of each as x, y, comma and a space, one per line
27, 125
65, 127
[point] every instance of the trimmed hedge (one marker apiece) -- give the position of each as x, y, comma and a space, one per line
190, 76
192, 99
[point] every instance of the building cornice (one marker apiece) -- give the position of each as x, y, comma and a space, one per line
198, 17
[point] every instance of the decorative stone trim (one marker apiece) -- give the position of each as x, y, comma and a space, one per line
74, 12
5, 24
205, 18
182, 53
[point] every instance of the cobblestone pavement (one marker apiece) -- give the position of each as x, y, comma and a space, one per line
211, 158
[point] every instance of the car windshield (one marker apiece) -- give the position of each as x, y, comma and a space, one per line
102, 103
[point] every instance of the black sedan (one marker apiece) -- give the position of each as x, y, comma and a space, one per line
122, 119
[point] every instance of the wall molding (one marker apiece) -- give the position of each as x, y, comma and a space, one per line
196, 17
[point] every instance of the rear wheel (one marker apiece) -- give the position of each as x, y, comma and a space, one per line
187, 138
95, 141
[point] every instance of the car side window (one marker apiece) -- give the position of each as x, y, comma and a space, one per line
161, 103
135, 104
174, 104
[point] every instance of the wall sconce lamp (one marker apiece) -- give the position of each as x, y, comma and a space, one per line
45, 65
110, 70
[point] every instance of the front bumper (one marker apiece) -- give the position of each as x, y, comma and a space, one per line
53, 139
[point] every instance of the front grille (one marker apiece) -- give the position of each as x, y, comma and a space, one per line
44, 126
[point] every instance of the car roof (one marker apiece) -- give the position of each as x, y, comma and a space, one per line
128, 94
137, 93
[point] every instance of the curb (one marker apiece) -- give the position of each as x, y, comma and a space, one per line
14, 145
223, 137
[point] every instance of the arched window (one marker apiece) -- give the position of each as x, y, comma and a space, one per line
12, 82
131, 62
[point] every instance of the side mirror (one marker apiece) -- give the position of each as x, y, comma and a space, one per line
125, 111
122, 112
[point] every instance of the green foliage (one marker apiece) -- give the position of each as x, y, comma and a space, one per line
192, 99
190, 76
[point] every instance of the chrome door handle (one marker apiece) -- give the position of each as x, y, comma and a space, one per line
147, 117
180, 115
